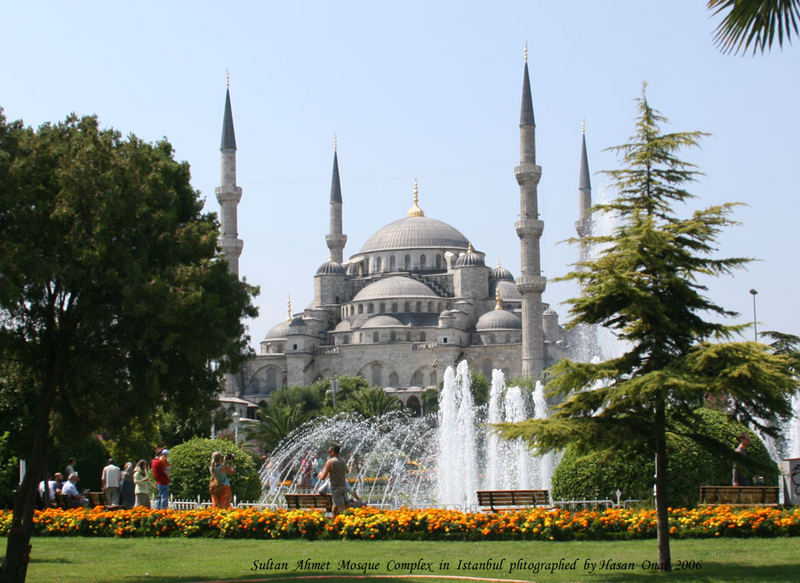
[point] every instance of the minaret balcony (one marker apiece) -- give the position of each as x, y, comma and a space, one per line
227, 194
529, 228
531, 284
528, 174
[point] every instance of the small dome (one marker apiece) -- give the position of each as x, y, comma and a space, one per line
394, 287
469, 259
498, 320
500, 273
279, 331
381, 322
330, 268
343, 326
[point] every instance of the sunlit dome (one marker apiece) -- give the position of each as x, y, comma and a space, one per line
394, 287
415, 233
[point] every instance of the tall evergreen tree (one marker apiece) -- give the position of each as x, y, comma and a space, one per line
113, 300
646, 286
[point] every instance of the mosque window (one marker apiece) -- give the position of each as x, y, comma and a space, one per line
394, 307
271, 381
422, 261
376, 375
393, 336
346, 339
491, 339
444, 340
392, 263
336, 300
441, 307
393, 379
370, 308
294, 346
383, 308
407, 307
438, 261
360, 337
508, 338
430, 306
360, 308
408, 336
422, 336
378, 264
419, 306
375, 337
432, 379
407, 262
417, 380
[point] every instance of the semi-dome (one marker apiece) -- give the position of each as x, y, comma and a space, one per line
498, 320
381, 322
415, 233
394, 287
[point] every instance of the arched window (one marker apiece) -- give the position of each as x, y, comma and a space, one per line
432, 379
391, 263
417, 379
419, 306
370, 308
375, 337
393, 379
430, 306
407, 262
393, 336
360, 308
346, 339
422, 336
394, 307
383, 308
407, 307
377, 264
408, 336
438, 261
376, 375
414, 404
422, 262
272, 381
360, 337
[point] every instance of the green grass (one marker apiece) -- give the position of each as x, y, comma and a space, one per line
106, 560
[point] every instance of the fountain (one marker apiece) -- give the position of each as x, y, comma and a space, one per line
437, 460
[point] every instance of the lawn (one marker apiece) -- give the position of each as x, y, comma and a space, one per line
178, 559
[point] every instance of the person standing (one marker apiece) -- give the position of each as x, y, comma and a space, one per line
128, 490
161, 475
111, 480
739, 477
70, 469
141, 482
336, 468
220, 485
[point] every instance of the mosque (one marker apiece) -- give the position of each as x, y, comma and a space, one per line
416, 298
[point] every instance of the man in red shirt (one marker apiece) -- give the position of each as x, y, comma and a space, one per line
160, 467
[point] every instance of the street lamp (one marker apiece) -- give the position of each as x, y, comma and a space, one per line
755, 326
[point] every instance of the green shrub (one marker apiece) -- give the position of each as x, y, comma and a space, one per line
9, 472
598, 475
189, 474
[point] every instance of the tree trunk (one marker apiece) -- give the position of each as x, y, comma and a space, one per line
18, 545
662, 512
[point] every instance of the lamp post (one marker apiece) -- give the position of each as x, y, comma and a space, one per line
236, 427
755, 326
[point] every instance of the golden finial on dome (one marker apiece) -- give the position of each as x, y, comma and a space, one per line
330, 255
498, 305
415, 211
289, 308
498, 263
469, 247
227, 78
525, 52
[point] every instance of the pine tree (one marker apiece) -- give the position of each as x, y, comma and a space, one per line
646, 286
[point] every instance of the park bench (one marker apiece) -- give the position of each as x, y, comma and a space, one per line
302, 501
496, 500
739, 495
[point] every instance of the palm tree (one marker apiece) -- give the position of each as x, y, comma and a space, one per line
276, 422
755, 23
373, 402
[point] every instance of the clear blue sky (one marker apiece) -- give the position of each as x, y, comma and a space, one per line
428, 90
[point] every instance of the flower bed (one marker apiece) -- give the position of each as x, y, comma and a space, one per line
408, 524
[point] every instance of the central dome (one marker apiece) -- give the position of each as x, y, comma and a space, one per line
415, 232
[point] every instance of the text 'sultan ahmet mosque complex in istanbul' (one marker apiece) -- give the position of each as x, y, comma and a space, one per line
416, 298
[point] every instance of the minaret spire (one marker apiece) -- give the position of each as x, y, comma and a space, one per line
529, 228
584, 223
228, 194
336, 240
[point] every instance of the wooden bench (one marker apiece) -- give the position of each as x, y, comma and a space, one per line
739, 495
508, 499
301, 501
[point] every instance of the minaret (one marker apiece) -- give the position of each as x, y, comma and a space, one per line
583, 225
228, 194
529, 228
336, 239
